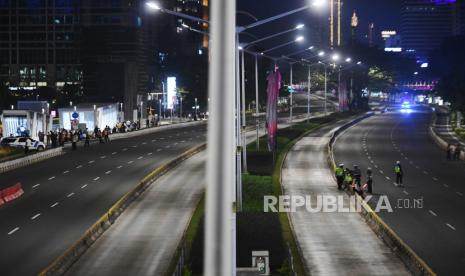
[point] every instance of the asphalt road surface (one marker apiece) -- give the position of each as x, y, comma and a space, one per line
428, 211
66, 194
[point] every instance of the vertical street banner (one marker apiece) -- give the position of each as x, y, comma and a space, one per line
272, 92
343, 101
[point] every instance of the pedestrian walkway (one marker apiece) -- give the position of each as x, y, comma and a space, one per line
331, 243
443, 129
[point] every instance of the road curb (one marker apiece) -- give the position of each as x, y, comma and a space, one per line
27, 160
62, 263
411, 260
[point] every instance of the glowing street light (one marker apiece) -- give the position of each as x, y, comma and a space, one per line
335, 57
348, 60
321, 53
359, 62
299, 38
318, 3
153, 5
299, 26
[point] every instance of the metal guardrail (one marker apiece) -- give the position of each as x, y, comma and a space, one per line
61, 264
411, 260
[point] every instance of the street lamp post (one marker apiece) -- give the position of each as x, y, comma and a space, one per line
290, 94
257, 118
309, 87
244, 139
195, 109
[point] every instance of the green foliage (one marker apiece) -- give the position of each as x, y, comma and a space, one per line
379, 79
254, 189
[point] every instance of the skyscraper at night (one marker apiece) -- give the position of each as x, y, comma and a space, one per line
424, 25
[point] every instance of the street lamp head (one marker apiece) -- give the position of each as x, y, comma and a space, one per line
299, 38
348, 60
185, 25
415, 73
335, 57
240, 47
359, 62
311, 47
318, 3
299, 26
153, 5
321, 53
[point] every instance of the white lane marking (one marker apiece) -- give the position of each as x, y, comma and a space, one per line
388, 178
411, 162
153, 140
150, 153
381, 172
371, 161
91, 161
418, 167
78, 167
402, 153
158, 149
107, 172
198, 136
144, 143
70, 195
406, 158
130, 162
139, 158
376, 166
35, 186
103, 157
405, 192
450, 226
445, 185
97, 178
162, 138
35, 216
119, 167
190, 139
170, 136
425, 172
65, 172
432, 213
51, 178
113, 153
125, 149
459, 193
135, 146
369, 157
54, 204
435, 179
13, 231
83, 186
183, 141
168, 146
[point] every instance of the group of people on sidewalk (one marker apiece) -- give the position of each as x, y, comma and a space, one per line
352, 179
453, 151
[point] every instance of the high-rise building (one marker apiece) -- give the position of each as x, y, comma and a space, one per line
458, 15
38, 43
353, 28
335, 23
424, 25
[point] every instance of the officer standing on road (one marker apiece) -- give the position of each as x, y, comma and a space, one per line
348, 178
27, 146
370, 180
457, 152
357, 177
399, 174
340, 176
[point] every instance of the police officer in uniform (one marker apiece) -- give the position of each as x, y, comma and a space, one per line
399, 174
370, 180
340, 176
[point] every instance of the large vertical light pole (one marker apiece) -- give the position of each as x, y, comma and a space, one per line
309, 87
290, 94
326, 86
219, 239
257, 120
244, 139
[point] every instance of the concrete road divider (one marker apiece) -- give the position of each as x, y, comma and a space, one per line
411, 260
11, 193
61, 264
30, 159
441, 143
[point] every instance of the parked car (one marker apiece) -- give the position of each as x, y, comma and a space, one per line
20, 142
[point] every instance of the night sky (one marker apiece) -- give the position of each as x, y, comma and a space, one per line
384, 13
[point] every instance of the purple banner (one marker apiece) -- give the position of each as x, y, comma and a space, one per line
272, 92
